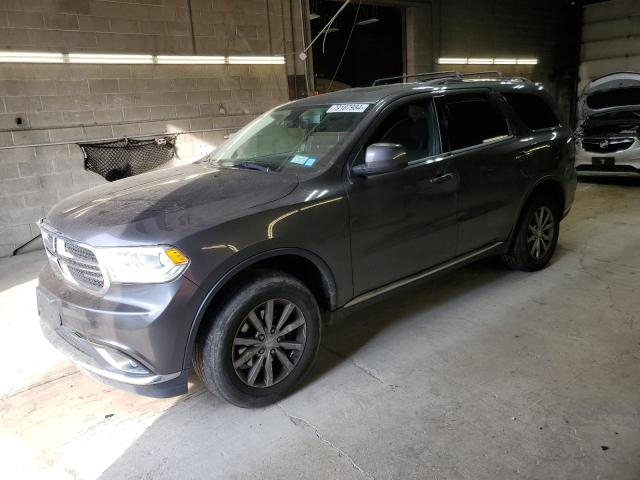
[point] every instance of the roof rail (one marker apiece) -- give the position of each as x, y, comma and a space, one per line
428, 75
443, 77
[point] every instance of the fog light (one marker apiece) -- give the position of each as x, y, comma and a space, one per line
121, 361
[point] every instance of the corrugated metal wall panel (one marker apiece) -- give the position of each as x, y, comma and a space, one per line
610, 10
610, 39
610, 29
615, 48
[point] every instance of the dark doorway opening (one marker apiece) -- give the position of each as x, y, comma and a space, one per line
375, 49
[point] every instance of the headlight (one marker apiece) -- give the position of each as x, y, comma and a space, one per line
156, 264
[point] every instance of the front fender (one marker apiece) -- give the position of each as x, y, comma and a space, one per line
327, 277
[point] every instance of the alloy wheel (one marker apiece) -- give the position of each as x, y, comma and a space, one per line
540, 232
269, 343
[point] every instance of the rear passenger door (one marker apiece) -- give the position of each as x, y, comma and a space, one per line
481, 145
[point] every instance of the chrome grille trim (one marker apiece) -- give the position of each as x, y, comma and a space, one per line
606, 145
75, 261
79, 251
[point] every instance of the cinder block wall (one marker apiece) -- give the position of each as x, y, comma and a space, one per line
61, 104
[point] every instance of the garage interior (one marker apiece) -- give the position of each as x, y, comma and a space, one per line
370, 38
484, 373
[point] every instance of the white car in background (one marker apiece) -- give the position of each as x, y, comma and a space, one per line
608, 133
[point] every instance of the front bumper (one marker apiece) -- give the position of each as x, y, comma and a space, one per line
133, 337
626, 163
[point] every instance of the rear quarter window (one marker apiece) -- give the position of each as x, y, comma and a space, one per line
534, 112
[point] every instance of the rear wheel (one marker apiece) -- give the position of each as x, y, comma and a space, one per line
536, 236
261, 342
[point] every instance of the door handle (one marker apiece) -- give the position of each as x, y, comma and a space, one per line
442, 178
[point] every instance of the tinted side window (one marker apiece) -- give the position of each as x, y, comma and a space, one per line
473, 121
532, 110
413, 126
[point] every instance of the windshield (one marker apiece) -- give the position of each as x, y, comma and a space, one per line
291, 139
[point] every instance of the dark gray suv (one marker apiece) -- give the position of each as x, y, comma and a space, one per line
228, 265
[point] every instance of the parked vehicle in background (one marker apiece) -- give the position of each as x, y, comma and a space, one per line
608, 133
228, 265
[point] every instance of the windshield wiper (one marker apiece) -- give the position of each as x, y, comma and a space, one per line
251, 166
243, 164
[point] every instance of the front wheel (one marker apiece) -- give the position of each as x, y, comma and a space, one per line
536, 236
261, 342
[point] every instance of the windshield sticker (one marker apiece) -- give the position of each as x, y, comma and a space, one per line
348, 108
303, 160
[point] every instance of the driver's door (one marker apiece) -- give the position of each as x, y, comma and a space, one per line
403, 222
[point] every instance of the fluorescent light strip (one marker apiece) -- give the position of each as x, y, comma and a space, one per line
130, 59
246, 60
453, 61
109, 58
504, 61
488, 61
480, 61
31, 57
190, 60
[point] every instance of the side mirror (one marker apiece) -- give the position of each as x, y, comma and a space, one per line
382, 158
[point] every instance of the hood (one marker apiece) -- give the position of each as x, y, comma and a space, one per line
616, 92
164, 205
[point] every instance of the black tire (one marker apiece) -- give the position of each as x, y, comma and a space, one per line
520, 255
215, 351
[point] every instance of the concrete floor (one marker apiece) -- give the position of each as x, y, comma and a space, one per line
484, 374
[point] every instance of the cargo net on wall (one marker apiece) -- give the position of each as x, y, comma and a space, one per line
126, 157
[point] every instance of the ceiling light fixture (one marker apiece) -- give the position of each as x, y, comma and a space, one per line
504, 61
452, 61
527, 61
190, 60
368, 21
109, 58
132, 59
480, 61
31, 57
259, 60
487, 61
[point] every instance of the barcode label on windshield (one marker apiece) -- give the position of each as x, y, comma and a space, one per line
348, 108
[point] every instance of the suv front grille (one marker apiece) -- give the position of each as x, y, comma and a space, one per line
77, 263
603, 145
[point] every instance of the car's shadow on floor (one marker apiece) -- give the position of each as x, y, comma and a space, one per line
360, 324
199, 414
